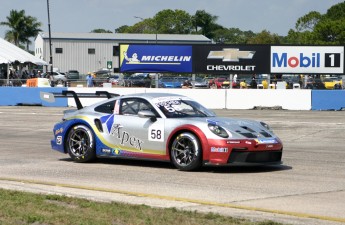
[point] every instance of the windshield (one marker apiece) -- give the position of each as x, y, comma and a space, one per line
175, 107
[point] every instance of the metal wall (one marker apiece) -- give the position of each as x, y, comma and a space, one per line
75, 55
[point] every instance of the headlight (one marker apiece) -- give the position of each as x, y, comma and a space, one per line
217, 130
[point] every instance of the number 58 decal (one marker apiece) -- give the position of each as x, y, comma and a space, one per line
156, 133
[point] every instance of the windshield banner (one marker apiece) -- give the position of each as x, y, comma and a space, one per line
155, 58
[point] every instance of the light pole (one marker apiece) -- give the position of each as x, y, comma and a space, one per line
50, 41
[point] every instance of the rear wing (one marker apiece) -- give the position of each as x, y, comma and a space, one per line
50, 97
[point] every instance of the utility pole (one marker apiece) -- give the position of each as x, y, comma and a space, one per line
50, 42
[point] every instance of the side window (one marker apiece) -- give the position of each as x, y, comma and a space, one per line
134, 105
107, 107
129, 107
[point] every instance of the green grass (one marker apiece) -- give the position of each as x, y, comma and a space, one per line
27, 208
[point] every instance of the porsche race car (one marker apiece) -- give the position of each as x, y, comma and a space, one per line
162, 126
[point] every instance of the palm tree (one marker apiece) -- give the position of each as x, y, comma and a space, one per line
205, 21
22, 28
16, 23
32, 28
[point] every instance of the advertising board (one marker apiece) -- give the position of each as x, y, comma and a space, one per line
227, 59
155, 58
307, 59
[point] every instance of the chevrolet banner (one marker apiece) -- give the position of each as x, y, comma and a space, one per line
155, 58
227, 59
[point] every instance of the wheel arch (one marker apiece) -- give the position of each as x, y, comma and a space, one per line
70, 127
191, 129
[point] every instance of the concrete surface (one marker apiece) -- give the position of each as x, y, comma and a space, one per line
309, 188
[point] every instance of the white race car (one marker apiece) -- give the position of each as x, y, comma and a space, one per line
161, 126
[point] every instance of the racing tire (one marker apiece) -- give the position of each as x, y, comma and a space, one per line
186, 152
61, 82
80, 144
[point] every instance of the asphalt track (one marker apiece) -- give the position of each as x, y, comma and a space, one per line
309, 188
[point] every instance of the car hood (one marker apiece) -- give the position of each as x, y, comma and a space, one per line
238, 128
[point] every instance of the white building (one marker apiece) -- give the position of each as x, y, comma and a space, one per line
92, 51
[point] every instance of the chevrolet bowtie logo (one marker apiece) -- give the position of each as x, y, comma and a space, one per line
231, 55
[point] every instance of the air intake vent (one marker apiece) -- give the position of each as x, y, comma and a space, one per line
265, 134
99, 125
248, 129
248, 135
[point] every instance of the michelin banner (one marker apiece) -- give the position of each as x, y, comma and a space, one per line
155, 58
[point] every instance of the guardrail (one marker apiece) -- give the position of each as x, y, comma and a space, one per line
289, 99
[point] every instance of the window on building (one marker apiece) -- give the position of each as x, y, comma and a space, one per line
116, 51
58, 50
91, 51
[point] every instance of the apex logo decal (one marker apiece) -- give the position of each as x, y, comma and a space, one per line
231, 55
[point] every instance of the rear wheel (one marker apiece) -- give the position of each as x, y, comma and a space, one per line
80, 144
186, 152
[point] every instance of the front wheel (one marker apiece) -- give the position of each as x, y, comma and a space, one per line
186, 152
80, 144
60, 82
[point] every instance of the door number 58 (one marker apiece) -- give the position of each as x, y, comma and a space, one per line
156, 134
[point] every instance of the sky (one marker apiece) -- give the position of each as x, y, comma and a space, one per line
276, 16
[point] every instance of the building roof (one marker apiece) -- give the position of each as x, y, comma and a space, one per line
126, 37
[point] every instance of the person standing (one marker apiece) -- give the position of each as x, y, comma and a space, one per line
253, 83
89, 80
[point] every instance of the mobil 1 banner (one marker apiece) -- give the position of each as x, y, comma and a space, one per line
307, 59
227, 59
155, 58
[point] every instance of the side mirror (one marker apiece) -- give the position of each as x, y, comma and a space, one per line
147, 114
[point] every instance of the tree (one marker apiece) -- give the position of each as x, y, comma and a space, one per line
336, 12
331, 28
330, 32
122, 29
31, 29
232, 36
146, 26
265, 37
100, 30
308, 22
206, 22
315, 28
173, 22
164, 22
22, 27
299, 38
16, 23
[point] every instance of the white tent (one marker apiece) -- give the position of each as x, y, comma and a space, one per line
10, 53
